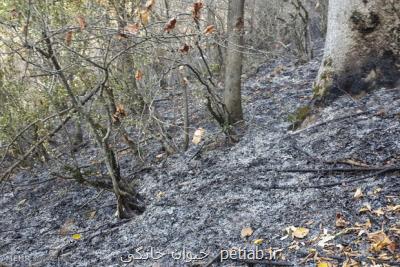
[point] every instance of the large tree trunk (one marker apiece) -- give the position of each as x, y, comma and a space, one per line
362, 48
233, 71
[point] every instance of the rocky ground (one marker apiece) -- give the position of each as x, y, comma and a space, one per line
326, 194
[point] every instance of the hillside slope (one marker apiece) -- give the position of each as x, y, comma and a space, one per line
201, 200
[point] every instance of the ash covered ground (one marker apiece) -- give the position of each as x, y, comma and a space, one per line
200, 201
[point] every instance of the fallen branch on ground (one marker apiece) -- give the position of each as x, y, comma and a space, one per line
329, 121
382, 171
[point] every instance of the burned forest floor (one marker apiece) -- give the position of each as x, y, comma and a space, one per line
326, 195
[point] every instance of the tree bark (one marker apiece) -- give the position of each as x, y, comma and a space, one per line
362, 48
252, 8
234, 58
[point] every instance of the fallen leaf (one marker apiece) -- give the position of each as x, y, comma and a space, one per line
66, 227
379, 212
365, 208
68, 38
340, 221
160, 195
91, 214
377, 191
121, 110
160, 156
367, 225
325, 239
258, 241
391, 247
119, 113
358, 194
395, 230
384, 257
82, 22
350, 263
246, 232
170, 25
196, 10
379, 241
299, 232
393, 208
138, 75
184, 49
324, 264
76, 236
210, 29
198, 136
21, 202
144, 16
355, 163
132, 28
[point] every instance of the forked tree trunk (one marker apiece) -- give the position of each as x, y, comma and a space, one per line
362, 48
233, 71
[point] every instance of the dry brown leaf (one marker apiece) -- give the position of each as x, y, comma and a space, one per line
196, 10
138, 75
365, 208
184, 49
210, 29
392, 247
170, 25
367, 225
299, 232
132, 28
121, 110
144, 16
82, 22
246, 232
380, 241
393, 208
340, 221
68, 38
351, 263
119, 113
395, 229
